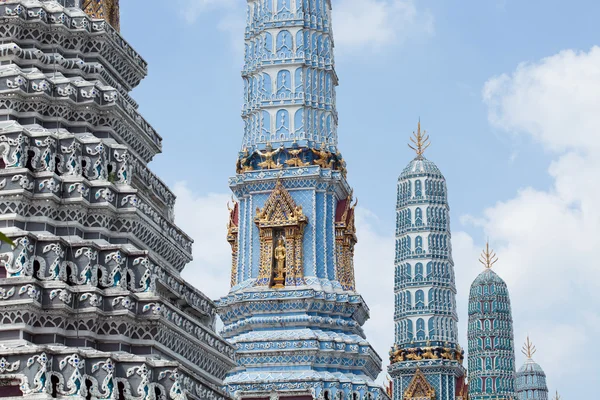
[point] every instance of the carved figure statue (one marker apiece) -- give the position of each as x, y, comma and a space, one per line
341, 164
295, 161
243, 164
324, 157
268, 155
280, 255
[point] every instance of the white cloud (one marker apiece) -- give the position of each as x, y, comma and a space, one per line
359, 24
204, 218
374, 273
192, 9
555, 100
547, 239
230, 18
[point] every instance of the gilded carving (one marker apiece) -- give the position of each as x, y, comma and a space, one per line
268, 158
232, 238
419, 388
345, 239
324, 157
103, 9
295, 160
243, 163
280, 255
426, 353
421, 141
280, 220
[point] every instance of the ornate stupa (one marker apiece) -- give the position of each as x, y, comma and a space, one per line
293, 312
490, 335
92, 302
531, 379
426, 359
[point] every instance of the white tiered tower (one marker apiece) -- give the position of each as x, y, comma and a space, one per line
426, 360
293, 313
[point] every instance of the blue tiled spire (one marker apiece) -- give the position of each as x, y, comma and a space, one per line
426, 333
289, 76
293, 312
490, 335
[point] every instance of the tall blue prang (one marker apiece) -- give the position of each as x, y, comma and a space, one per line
490, 335
293, 314
426, 359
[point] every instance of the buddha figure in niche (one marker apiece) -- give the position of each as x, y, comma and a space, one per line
280, 255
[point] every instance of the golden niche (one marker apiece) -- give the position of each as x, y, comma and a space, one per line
419, 388
281, 229
345, 240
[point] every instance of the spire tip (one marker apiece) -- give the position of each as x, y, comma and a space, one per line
420, 140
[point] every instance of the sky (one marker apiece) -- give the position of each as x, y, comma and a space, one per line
509, 92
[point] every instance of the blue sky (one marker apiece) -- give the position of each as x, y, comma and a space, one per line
508, 90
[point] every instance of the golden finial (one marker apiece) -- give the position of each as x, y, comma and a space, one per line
488, 257
528, 349
421, 140
557, 397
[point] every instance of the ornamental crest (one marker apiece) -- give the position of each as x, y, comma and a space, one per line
281, 225
419, 388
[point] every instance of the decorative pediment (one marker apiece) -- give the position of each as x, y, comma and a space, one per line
281, 227
280, 210
419, 388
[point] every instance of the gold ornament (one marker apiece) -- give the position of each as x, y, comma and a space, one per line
107, 10
295, 161
528, 349
341, 164
280, 217
557, 397
419, 388
280, 268
488, 257
324, 161
268, 155
243, 164
345, 240
232, 238
421, 140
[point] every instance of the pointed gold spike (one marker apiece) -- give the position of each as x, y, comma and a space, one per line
557, 397
528, 349
488, 257
420, 141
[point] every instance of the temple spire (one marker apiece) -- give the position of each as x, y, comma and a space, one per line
107, 10
557, 396
528, 349
488, 257
421, 140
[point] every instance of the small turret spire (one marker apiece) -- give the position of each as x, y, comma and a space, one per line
528, 349
421, 140
557, 397
488, 257
107, 10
